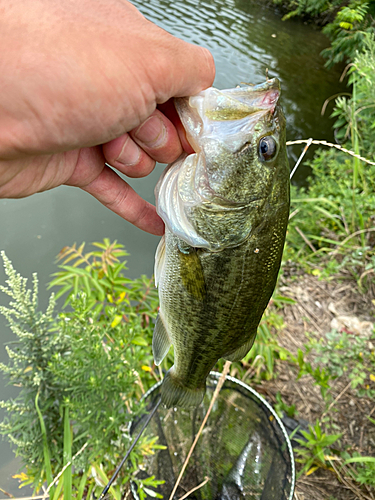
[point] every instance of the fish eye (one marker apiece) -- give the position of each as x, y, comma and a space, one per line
267, 148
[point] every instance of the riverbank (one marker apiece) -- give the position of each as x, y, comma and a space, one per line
328, 325
327, 384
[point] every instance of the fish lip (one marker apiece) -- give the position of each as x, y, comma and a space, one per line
262, 99
270, 84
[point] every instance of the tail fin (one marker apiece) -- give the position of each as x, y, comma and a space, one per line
174, 393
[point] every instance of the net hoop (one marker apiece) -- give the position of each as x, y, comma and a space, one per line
216, 375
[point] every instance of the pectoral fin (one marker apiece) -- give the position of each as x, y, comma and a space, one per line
192, 275
161, 341
241, 352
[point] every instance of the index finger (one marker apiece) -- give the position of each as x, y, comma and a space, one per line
116, 194
169, 110
182, 69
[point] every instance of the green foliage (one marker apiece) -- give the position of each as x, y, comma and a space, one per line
344, 353
321, 376
355, 116
348, 32
364, 473
315, 450
336, 355
361, 468
283, 409
333, 219
309, 8
346, 25
81, 373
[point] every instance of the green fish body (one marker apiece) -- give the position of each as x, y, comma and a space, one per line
226, 210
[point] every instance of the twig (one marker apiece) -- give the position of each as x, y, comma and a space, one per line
310, 316
349, 484
63, 470
331, 145
206, 479
361, 437
302, 396
343, 74
300, 158
305, 239
214, 397
365, 273
324, 107
356, 233
336, 399
22, 498
295, 212
6, 493
36, 497
295, 494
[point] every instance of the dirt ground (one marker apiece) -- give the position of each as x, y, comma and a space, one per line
321, 306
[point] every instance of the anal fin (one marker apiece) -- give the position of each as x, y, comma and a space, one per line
241, 352
161, 341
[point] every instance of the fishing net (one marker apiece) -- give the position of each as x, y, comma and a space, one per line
244, 450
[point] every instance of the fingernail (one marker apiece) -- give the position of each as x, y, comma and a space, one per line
152, 132
130, 153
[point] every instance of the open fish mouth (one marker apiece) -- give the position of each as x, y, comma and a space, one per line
216, 123
227, 113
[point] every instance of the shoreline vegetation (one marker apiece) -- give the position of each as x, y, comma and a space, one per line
82, 370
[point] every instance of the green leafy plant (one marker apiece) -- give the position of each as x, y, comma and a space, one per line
360, 468
332, 224
353, 355
283, 409
364, 473
315, 450
309, 8
348, 31
346, 24
321, 376
81, 374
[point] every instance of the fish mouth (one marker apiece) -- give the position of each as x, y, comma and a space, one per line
229, 109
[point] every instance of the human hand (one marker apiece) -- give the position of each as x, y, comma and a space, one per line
81, 82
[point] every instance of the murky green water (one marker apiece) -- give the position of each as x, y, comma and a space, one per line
245, 39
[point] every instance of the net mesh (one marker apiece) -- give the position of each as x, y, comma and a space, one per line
244, 450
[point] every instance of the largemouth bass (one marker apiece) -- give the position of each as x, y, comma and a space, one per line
226, 210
